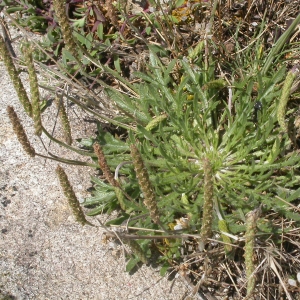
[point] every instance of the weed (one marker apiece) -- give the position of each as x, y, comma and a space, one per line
199, 143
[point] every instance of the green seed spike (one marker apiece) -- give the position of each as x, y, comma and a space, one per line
215, 84
285, 97
226, 239
60, 12
275, 150
34, 89
64, 120
20, 132
155, 122
120, 196
186, 204
194, 53
145, 184
14, 77
206, 229
71, 197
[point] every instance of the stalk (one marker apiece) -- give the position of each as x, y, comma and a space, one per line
155, 122
81, 152
226, 239
121, 198
24, 141
222, 224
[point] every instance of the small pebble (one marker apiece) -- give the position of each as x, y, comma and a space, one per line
292, 282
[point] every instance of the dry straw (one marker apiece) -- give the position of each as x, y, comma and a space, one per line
70, 195
34, 89
145, 184
14, 76
20, 132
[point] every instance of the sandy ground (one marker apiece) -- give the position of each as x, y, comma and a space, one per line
44, 253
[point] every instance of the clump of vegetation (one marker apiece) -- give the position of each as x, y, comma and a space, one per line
205, 136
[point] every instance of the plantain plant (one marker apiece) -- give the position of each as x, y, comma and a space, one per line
195, 151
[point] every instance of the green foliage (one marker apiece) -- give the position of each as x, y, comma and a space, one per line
92, 32
250, 164
33, 15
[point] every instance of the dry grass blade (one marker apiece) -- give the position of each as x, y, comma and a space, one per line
273, 266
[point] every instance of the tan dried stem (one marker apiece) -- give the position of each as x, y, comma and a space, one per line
20, 132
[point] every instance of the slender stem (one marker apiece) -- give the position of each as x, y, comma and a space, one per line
81, 152
85, 108
67, 161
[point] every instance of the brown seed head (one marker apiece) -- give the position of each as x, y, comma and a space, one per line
104, 166
20, 132
14, 77
70, 195
145, 184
